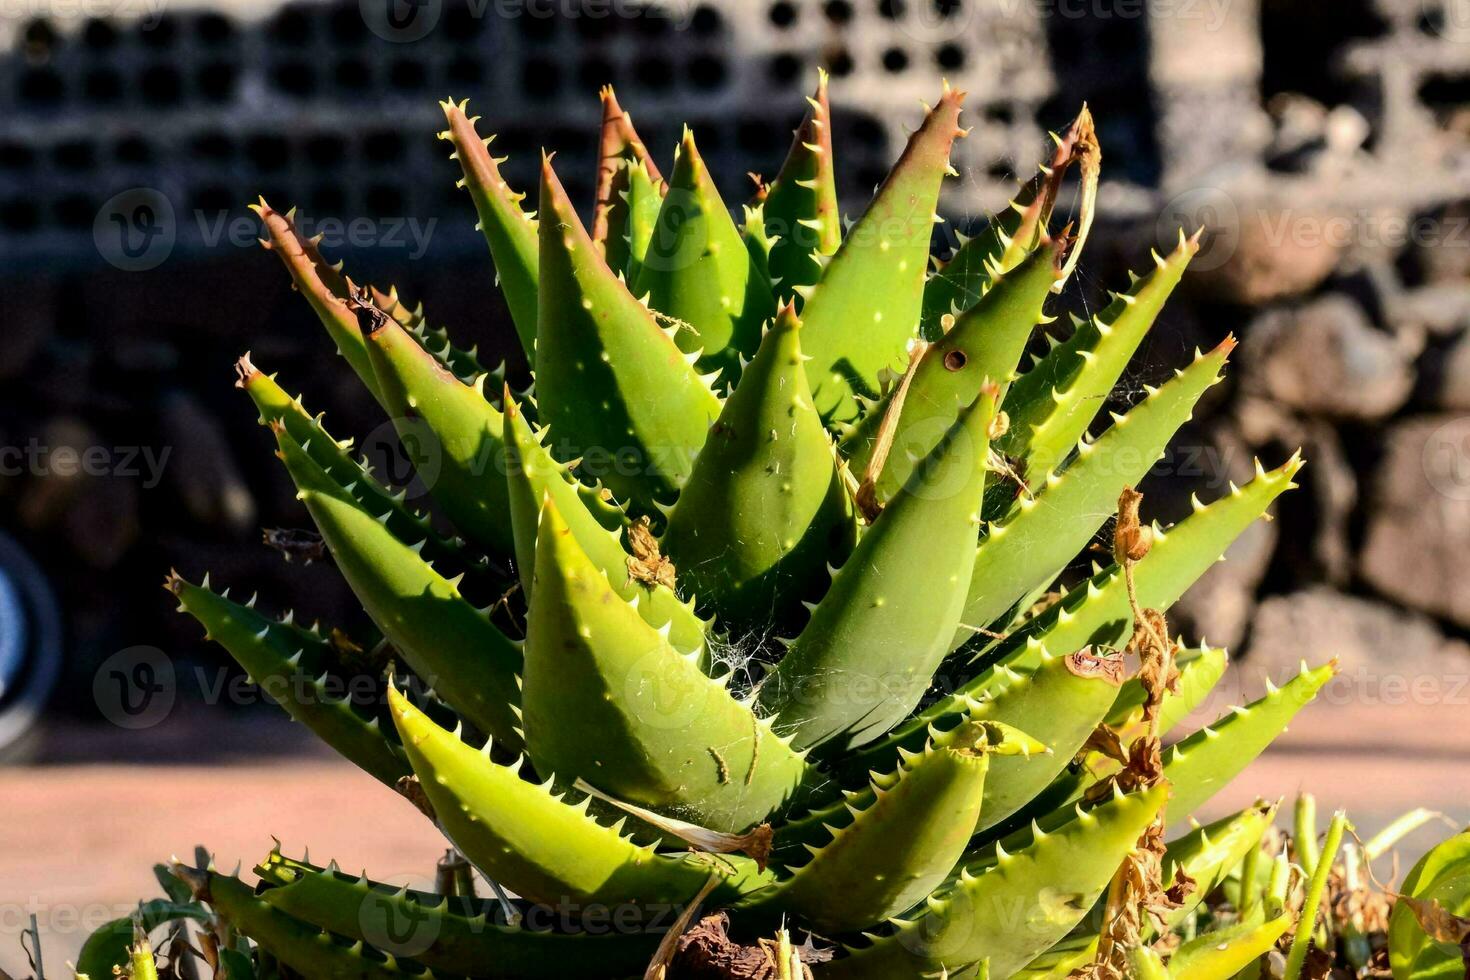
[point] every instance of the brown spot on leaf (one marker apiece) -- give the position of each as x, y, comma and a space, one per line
1087, 663
647, 564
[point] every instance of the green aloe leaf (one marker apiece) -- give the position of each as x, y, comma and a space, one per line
871, 646
610, 382
447, 641
1222, 954
463, 364
1059, 704
450, 430
1012, 910
629, 188
668, 737
958, 282
533, 477
453, 936
898, 844
298, 945
698, 274
765, 510
542, 846
985, 342
800, 205
323, 285
277, 407
1043, 533
509, 231
864, 310
1052, 404
288, 663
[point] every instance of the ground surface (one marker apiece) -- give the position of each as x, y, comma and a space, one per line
80, 832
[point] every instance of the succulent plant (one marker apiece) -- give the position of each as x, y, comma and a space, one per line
750, 602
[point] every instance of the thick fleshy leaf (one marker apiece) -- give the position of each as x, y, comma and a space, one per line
301, 946
1209, 854
1059, 704
1098, 611
449, 643
1042, 534
1199, 671
464, 364
610, 382
609, 700
1012, 910
634, 225
864, 310
985, 342
452, 433
288, 663
510, 231
278, 407
959, 282
323, 285
871, 646
800, 205
897, 845
534, 476
1222, 954
765, 510
698, 274
621, 156
454, 936
542, 846
1052, 405
834, 806
1201, 765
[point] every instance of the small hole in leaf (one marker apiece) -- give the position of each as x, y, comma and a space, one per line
955, 360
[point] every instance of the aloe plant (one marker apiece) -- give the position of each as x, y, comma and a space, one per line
751, 604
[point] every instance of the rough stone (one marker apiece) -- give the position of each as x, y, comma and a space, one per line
1417, 544
1442, 309
1255, 250
1325, 358
1380, 649
1449, 376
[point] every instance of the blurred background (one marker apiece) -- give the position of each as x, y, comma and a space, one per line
1325, 145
